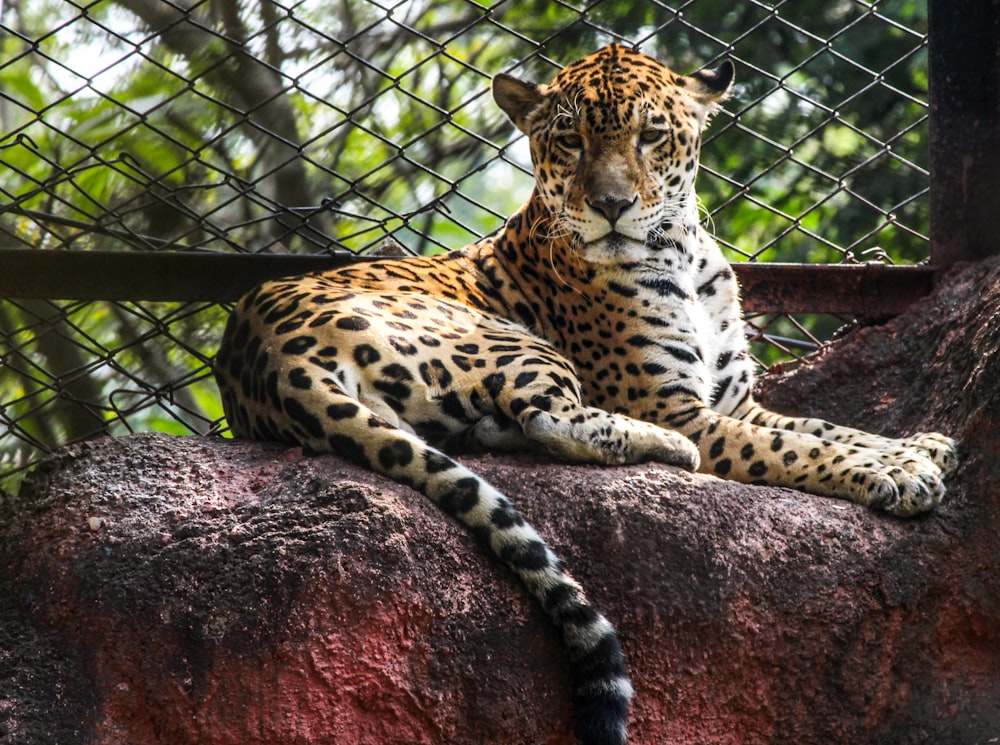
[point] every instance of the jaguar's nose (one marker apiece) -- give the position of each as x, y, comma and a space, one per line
612, 207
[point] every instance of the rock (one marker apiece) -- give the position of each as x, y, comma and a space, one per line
198, 590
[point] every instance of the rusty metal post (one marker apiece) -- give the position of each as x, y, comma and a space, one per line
964, 130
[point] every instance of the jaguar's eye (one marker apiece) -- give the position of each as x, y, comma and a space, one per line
652, 136
570, 141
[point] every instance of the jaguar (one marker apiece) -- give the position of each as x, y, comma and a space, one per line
601, 324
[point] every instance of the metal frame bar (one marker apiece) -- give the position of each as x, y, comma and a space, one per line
871, 290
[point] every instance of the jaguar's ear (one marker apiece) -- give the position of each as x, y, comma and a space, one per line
711, 86
517, 98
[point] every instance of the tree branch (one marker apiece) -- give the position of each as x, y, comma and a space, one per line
252, 87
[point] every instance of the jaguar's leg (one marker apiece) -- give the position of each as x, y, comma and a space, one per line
907, 452
555, 419
580, 433
754, 453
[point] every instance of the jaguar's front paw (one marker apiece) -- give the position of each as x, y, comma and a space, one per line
652, 442
677, 450
906, 492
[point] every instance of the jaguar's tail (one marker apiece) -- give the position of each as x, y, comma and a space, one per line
602, 688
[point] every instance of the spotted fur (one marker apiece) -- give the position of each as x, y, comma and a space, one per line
602, 324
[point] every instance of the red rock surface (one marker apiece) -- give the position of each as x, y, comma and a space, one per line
191, 590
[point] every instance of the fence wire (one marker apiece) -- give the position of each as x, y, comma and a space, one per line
312, 127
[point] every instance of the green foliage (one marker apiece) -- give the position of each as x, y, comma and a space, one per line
817, 157
76, 370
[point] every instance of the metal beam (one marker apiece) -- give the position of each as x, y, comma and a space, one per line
871, 290
866, 290
184, 276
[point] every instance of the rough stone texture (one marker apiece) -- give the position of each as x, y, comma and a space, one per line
191, 590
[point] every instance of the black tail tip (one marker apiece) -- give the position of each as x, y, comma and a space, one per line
601, 718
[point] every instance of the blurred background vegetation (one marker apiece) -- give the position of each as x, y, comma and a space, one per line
311, 126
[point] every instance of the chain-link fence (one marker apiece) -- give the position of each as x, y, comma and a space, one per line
325, 127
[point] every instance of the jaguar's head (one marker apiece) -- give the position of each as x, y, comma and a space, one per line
615, 140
